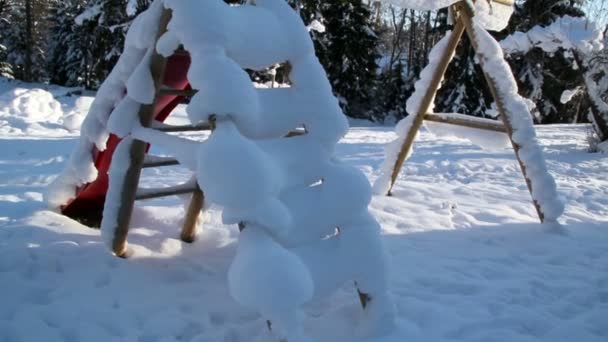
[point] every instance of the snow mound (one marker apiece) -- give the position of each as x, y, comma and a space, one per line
36, 112
74, 118
33, 105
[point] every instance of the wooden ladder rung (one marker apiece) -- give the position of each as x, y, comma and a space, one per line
156, 161
177, 92
151, 193
296, 133
182, 128
477, 123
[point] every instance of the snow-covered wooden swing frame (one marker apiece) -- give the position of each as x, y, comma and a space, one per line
463, 13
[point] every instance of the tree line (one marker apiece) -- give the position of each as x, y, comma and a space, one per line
373, 53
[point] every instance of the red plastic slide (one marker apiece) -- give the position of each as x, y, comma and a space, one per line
90, 198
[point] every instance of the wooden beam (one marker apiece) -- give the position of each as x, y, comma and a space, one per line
177, 92
137, 152
427, 100
483, 124
465, 17
151, 193
153, 161
184, 128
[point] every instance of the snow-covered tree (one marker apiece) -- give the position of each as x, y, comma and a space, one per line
394, 88
106, 21
465, 89
71, 55
25, 39
544, 77
580, 41
5, 67
596, 80
348, 50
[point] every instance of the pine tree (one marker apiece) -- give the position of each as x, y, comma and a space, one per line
5, 66
543, 78
597, 92
394, 88
348, 51
106, 22
25, 39
72, 49
465, 89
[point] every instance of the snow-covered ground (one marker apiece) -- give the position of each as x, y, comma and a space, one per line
469, 261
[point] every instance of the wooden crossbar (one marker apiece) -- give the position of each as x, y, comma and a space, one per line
151, 193
184, 128
154, 161
177, 92
461, 120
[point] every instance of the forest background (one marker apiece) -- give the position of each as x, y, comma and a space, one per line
373, 54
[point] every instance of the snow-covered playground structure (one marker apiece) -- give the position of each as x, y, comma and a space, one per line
305, 226
475, 17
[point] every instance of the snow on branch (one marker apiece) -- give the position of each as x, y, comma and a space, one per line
569, 33
493, 15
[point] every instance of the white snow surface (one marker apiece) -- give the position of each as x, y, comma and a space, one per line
469, 260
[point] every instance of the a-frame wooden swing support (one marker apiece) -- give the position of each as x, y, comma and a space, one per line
463, 13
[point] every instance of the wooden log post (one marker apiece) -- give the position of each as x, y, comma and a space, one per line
427, 101
137, 151
465, 16
192, 216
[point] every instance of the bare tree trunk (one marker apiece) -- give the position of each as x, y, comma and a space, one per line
29, 41
412, 45
427, 37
